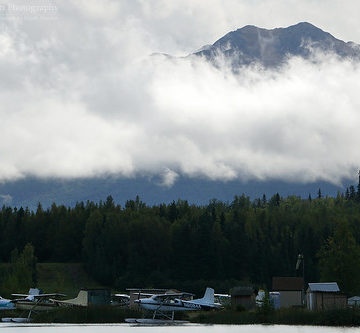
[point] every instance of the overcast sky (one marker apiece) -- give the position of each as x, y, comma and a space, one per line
80, 95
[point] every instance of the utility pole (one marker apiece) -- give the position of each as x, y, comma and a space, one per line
300, 259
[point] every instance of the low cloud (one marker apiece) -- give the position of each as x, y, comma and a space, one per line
95, 103
168, 178
6, 199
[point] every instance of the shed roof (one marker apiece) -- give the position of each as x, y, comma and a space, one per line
287, 283
329, 287
242, 291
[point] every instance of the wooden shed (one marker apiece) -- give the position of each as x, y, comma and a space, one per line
243, 296
324, 296
291, 290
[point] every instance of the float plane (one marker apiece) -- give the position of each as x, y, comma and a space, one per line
34, 301
165, 303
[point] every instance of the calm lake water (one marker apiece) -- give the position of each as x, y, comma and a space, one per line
126, 328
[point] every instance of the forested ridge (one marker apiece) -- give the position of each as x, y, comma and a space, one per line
188, 247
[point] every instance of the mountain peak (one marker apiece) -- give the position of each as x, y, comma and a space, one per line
304, 24
248, 28
271, 47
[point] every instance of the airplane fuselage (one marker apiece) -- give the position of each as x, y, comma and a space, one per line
176, 305
38, 306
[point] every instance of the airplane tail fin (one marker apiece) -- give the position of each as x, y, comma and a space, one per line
208, 297
35, 291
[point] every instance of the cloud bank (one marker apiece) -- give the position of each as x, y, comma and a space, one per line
82, 96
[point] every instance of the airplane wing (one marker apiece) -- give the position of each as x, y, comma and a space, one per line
163, 298
121, 295
144, 294
25, 297
165, 295
49, 295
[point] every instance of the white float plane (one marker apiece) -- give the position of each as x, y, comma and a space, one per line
36, 300
6, 304
173, 302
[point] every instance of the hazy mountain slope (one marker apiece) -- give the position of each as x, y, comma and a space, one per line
29, 192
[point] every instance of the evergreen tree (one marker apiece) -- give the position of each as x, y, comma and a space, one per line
352, 194
319, 194
347, 194
358, 189
264, 201
339, 259
275, 200
22, 273
109, 203
173, 212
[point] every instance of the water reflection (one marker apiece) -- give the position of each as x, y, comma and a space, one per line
190, 328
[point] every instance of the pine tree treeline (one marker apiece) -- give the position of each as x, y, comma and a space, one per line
188, 246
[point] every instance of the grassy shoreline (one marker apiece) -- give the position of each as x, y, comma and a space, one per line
99, 315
